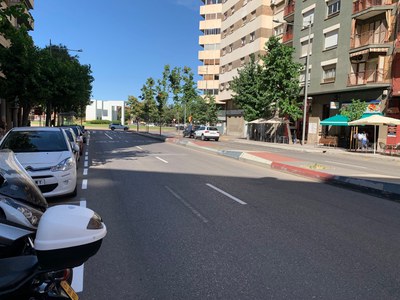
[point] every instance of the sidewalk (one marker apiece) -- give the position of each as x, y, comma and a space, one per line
384, 186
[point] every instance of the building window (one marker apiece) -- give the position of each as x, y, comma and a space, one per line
333, 7
243, 41
223, 51
331, 39
231, 29
329, 73
230, 67
252, 36
221, 87
242, 61
232, 10
308, 17
253, 15
230, 48
224, 34
225, 15
244, 21
278, 30
304, 47
223, 69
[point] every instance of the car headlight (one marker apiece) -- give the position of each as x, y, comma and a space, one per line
65, 165
31, 214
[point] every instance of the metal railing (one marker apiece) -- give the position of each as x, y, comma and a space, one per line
368, 37
368, 76
361, 5
289, 9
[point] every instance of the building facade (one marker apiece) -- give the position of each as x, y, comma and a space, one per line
106, 110
209, 41
351, 56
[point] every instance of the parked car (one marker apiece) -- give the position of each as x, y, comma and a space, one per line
45, 152
79, 136
74, 142
189, 130
207, 133
114, 126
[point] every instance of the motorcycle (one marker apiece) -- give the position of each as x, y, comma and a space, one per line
21, 201
39, 245
66, 237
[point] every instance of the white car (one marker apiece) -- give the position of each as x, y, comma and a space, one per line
114, 126
207, 133
45, 152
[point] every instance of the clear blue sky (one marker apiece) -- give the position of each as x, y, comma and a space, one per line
124, 41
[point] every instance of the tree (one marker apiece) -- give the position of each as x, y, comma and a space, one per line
135, 108
189, 92
269, 87
354, 110
162, 88
175, 79
248, 91
204, 110
147, 97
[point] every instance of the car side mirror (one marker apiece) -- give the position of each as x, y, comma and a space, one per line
75, 147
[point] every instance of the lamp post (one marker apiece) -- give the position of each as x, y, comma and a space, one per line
306, 77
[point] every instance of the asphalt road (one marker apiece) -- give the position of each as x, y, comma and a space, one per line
184, 224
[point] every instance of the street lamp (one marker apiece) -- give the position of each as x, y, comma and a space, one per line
305, 77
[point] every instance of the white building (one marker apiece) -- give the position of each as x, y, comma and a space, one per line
105, 110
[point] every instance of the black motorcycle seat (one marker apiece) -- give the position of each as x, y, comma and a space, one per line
15, 270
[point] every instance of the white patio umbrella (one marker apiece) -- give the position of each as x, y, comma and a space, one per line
375, 120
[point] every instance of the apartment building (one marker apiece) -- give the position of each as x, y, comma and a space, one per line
351, 46
209, 41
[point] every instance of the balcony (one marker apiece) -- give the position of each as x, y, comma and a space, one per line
289, 10
370, 37
368, 77
371, 7
287, 37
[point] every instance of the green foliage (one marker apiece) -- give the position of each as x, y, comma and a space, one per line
99, 122
354, 110
271, 86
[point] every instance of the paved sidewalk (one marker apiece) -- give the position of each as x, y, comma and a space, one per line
386, 186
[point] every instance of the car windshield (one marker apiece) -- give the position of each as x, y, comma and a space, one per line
35, 141
213, 128
69, 135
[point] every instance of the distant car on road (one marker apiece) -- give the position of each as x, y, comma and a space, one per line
189, 131
114, 126
207, 133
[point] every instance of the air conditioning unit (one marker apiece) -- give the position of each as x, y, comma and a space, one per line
360, 57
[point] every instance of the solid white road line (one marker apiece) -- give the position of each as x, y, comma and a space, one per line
194, 211
226, 194
164, 161
84, 184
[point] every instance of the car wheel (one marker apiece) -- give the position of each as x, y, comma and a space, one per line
216, 139
126, 128
112, 128
203, 137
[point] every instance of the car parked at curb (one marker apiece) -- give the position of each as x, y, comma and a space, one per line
207, 133
46, 154
74, 143
114, 126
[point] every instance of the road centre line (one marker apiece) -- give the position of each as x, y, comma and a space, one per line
344, 164
226, 194
164, 161
193, 210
